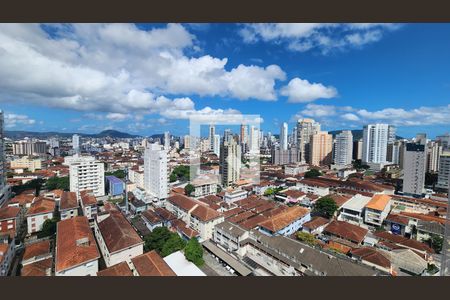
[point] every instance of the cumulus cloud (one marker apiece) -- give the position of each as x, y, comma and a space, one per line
324, 37
301, 90
337, 115
12, 120
118, 68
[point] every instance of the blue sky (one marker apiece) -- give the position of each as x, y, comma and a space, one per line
148, 78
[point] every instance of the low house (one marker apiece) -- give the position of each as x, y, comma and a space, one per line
151, 219
315, 226
121, 269
234, 195
352, 211
314, 187
346, 232
165, 215
372, 257
389, 241
183, 230
408, 261
229, 236
7, 253
205, 184
76, 250
290, 196
68, 206
10, 220
397, 224
37, 259
151, 264
427, 229
377, 209
287, 222
88, 203
40, 210
181, 266
117, 239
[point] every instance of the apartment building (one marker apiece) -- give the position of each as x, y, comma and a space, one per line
40, 210
156, 172
30, 163
68, 205
321, 147
37, 259
88, 203
10, 220
377, 209
86, 173
286, 222
352, 211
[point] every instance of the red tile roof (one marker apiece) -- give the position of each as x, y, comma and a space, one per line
121, 269
36, 249
346, 231
9, 212
284, 218
151, 264
41, 206
117, 232
315, 223
373, 256
87, 198
181, 226
75, 243
68, 201
151, 216
165, 214
39, 268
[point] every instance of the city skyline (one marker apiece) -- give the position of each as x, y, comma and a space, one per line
149, 78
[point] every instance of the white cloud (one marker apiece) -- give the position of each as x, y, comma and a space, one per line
339, 115
322, 36
12, 120
301, 90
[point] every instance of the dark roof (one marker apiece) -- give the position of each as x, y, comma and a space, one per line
232, 229
346, 231
164, 214
68, 201
316, 222
151, 216
372, 255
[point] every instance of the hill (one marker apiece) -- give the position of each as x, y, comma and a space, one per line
42, 135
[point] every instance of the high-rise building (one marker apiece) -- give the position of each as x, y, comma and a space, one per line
305, 129
76, 143
392, 134
343, 148
227, 135
216, 149
230, 162
243, 137
167, 140
357, 149
444, 171
212, 133
393, 152
414, 169
4, 188
434, 151
29, 147
321, 147
284, 136
375, 140
86, 173
421, 138
156, 172
444, 141
254, 140
187, 142
283, 157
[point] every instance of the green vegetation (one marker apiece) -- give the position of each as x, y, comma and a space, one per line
163, 241
48, 228
358, 165
272, 191
436, 242
194, 252
189, 189
313, 173
54, 183
307, 238
35, 184
219, 189
180, 173
325, 207
118, 173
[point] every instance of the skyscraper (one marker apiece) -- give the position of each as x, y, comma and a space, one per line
357, 149
216, 149
212, 132
444, 171
305, 129
166, 140
156, 172
321, 147
284, 136
230, 162
421, 138
392, 130
393, 152
243, 134
434, 151
414, 169
76, 143
4, 188
375, 140
86, 173
254, 140
343, 148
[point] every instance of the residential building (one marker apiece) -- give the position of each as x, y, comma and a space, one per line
29, 147
284, 157
181, 266
86, 173
150, 264
7, 253
229, 236
166, 141
117, 240
76, 143
40, 210
37, 259
156, 171
295, 169
212, 140
121, 269
216, 143
287, 222
375, 140
343, 231
414, 169
76, 252
88, 203
357, 149
305, 129
152, 220
26, 162
434, 151
230, 162
315, 225
68, 205
353, 210
377, 209
197, 215
243, 135
393, 152
284, 136
10, 220
444, 171
114, 186
232, 196
205, 185
321, 147
310, 186
343, 148
254, 140
4, 188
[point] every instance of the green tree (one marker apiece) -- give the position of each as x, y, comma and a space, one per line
62, 183
173, 244
189, 189
173, 177
156, 239
35, 184
118, 173
219, 189
306, 237
325, 207
48, 228
181, 172
436, 242
194, 252
313, 173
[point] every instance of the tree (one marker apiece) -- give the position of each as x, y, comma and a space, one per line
156, 239
61, 183
181, 172
48, 228
118, 173
35, 184
194, 252
306, 237
313, 173
173, 177
173, 244
436, 242
325, 207
357, 164
189, 189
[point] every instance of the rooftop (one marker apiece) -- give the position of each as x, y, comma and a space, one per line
284, 218
68, 201
75, 243
316, 222
346, 231
121, 269
181, 266
356, 203
151, 264
41, 206
9, 212
87, 198
36, 249
378, 202
39, 268
151, 216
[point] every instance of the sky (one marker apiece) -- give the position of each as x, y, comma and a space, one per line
150, 78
